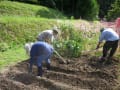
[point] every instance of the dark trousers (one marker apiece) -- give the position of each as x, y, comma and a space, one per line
40, 71
110, 45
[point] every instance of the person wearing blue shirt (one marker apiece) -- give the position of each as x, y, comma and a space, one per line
40, 51
111, 38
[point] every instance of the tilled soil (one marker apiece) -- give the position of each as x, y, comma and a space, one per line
84, 73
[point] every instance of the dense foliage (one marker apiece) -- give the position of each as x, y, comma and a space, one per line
115, 11
105, 5
85, 9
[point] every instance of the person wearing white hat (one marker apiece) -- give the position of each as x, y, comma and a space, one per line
48, 35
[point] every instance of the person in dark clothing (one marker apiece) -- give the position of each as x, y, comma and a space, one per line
111, 38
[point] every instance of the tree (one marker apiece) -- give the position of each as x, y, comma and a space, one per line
105, 5
27, 1
87, 9
115, 11
48, 3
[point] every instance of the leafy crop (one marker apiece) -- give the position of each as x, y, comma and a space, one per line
72, 42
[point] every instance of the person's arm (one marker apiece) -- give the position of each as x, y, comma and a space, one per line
98, 45
100, 40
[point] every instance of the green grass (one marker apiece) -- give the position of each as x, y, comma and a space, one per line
21, 23
19, 19
12, 56
10, 8
19, 30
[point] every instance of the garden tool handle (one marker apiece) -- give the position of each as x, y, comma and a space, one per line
59, 56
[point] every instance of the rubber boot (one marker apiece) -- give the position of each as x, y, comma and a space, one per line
48, 66
40, 71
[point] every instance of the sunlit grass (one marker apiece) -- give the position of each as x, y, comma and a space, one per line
12, 8
12, 56
22, 29
21, 19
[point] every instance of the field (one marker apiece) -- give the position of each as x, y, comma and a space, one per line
80, 74
76, 44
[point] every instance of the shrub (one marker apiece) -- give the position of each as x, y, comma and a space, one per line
114, 12
70, 44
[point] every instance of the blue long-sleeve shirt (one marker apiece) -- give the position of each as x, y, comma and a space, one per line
108, 35
41, 48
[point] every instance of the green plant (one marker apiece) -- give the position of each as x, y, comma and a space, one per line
72, 42
114, 12
3, 47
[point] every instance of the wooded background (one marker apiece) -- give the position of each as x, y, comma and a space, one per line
85, 9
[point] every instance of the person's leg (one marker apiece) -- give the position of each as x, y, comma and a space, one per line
31, 62
48, 65
114, 48
39, 65
48, 62
106, 48
114, 45
40, 73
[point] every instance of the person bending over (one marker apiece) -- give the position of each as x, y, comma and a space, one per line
111, 38
40, 51
48, 35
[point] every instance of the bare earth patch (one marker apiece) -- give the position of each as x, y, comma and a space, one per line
82, 73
